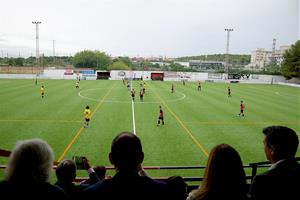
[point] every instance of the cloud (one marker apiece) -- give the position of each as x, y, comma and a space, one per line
150, 27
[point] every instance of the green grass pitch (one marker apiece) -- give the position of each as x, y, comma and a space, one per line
195, 121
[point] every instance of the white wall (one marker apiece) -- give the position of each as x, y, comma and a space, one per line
120, 74
57, 74
22, 76
169, 76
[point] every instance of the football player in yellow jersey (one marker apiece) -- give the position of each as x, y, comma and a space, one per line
87, 116
42, 91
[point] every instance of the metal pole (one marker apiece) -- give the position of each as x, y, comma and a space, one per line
37, 39
227, 50
53, 51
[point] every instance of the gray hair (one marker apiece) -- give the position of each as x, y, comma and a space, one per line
31, 160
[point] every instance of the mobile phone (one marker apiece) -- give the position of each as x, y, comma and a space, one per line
79, 161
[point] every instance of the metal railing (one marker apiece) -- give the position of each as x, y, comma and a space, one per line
253, 166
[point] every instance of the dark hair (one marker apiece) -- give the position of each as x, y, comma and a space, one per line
177, 187
126, 151
87, 107
100, 171
66, 171
283, 139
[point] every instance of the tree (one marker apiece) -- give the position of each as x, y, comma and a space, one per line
11, 62
291, 61
118, 65
92, 59
19, 61
126, 60
177, 67
102, 60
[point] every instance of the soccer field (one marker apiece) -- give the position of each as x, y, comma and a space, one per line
195, 121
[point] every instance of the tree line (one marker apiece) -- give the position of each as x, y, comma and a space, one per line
101, 61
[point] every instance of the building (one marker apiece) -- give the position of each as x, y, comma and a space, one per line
185, 64
261, 57
206, 66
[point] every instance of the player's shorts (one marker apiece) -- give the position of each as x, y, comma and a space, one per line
242, 111
42, 93
160, 118
87, 119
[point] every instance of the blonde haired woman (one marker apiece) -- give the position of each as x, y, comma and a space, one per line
224, 176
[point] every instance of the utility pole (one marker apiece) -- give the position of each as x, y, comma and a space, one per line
37, 39
274, 45
273, 56
53, 51
228, 30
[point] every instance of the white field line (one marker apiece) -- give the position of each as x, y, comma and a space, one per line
132, 108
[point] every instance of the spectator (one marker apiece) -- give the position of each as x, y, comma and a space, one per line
127, 155
66, 174
28, 172
95, 173
224, 176
177, 188
282, 180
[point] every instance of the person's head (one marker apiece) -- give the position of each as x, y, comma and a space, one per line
224, 173
87, 107
100, 171
66, 171
280, 143
177, 187
126, 152
30, 161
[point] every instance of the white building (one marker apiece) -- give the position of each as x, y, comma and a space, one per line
185, 64
261, 57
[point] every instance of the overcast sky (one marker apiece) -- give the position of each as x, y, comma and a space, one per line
169, 28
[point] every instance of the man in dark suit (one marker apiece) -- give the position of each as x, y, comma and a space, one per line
282, 180
127, 155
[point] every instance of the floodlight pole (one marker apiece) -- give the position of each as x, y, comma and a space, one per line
37, 39
227, 50
53, 51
